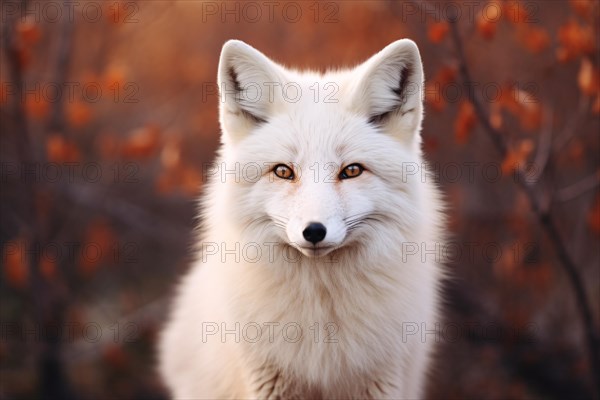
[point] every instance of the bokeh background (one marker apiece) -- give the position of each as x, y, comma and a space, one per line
109, 111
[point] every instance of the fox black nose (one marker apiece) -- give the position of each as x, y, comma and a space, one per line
314, 232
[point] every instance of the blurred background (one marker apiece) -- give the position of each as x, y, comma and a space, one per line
109, 111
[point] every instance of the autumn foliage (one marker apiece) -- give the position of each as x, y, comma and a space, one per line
100, 187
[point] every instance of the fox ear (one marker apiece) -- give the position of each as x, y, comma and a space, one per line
244, 78
389, 90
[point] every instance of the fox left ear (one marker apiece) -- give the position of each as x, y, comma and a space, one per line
389, 90
244, 76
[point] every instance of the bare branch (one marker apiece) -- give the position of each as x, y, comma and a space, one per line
16, 74
62, 68
544, 148
543, 216
570, 129
577, 189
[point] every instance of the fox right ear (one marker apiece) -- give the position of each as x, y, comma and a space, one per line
245, 76
388, 90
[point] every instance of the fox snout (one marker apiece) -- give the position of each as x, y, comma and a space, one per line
316, 236
314, 232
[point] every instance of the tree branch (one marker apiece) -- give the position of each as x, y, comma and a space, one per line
542, 215
62, 68
570, 128
48, 302
577, 189
544, 146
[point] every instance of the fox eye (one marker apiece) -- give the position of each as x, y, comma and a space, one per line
351, 171
283, 171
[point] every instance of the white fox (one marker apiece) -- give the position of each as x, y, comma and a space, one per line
303, 286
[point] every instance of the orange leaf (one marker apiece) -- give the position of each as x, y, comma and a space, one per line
100, 232
583, 8
524, 106
170, 156
27, 34
496, 116
430, 144
446, 74
16, 265
96, 247
48, 268
119, 12
534, 39
486, 27
516, 12
434, 97
142, 143
506, 267
588, 78
114, 79
24, 57
464, 122
531, 116
28, 31
37, 106
3, 93
437, 31
435, 86
575, 40
78, 114
517, 157
60, 150
508, 99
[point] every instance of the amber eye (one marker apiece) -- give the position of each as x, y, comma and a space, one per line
283, 171
351, 171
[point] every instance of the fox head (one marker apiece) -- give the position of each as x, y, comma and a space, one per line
322, 157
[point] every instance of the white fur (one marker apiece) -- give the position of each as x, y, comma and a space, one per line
363, 292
